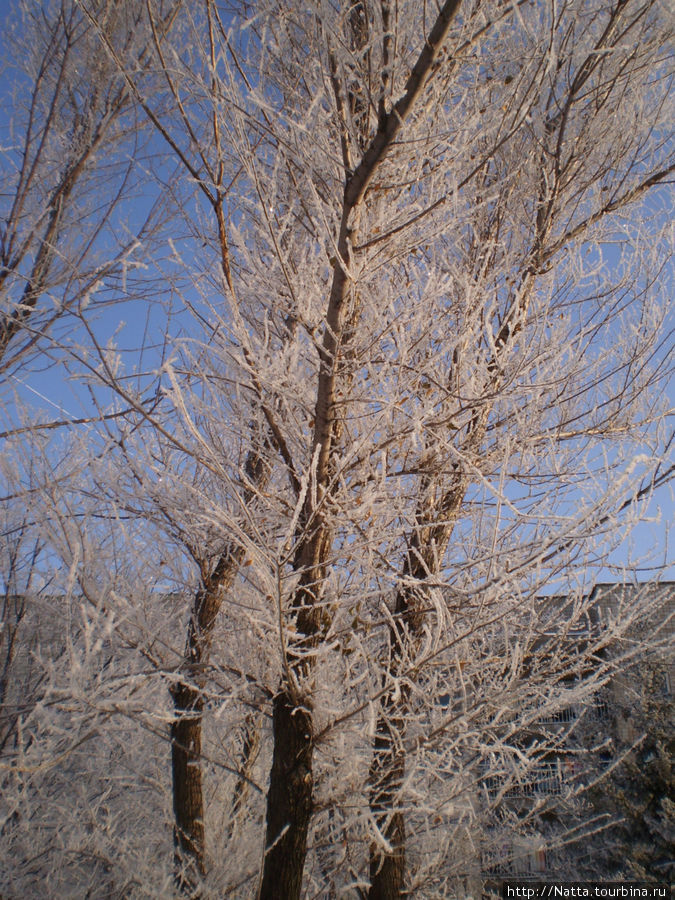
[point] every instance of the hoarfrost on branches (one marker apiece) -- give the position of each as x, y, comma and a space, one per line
288, 604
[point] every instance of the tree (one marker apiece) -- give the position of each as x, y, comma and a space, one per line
608, 775
425, 257
638, 792
70, 162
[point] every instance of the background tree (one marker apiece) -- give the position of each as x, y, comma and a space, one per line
71, 231
638, 793
425, 262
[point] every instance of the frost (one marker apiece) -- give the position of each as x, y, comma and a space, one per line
326, 523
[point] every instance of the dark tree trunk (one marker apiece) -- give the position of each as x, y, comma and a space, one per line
289, 801
188, 797
188, 700
387, 870
289, 797
387, 769
186, 746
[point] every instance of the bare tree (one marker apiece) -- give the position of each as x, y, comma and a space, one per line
70, 158
425, 258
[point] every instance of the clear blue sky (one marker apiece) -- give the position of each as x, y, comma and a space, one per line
51, 394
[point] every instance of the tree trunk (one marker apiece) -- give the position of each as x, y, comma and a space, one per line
188, 798
186, 729
289, 801
387, 870
186, 740
387, 875
387, 770
249, 754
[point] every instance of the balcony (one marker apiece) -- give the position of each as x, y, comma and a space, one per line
544, 779
519, 857
597, 710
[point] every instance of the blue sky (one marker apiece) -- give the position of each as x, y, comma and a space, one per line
50, 393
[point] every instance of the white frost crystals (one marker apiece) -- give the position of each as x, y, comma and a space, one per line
396, 367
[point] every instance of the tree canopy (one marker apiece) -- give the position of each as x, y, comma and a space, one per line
366, 307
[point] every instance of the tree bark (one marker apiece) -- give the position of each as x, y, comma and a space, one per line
387, 770
186, 747
289, 801
188, 797
249, 754
387, 870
